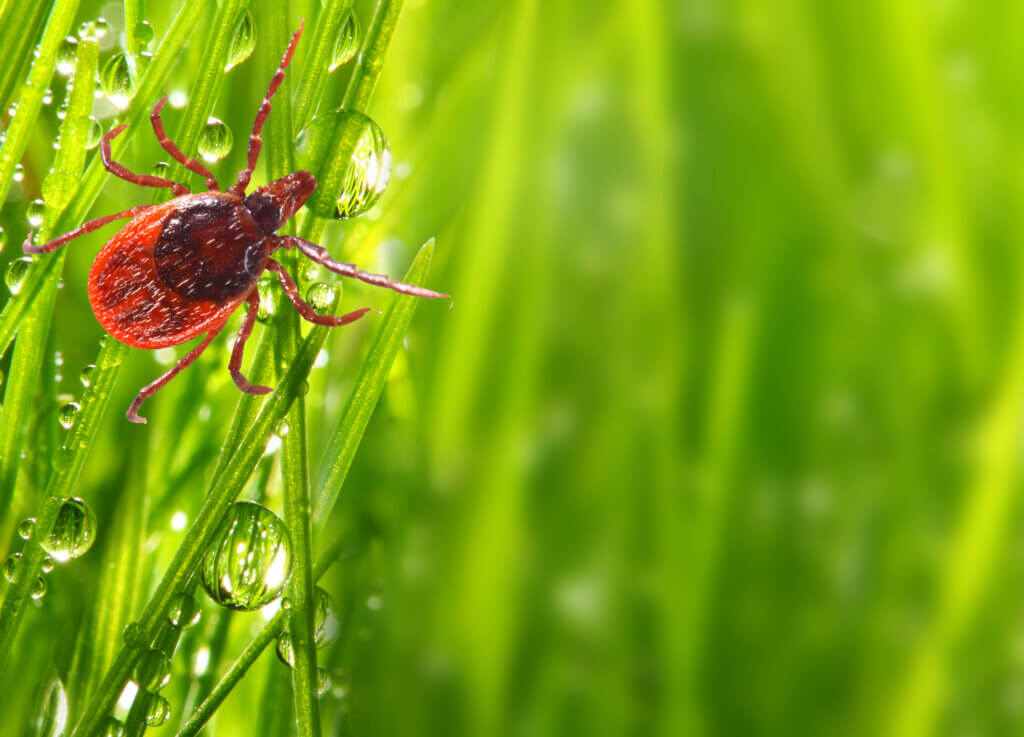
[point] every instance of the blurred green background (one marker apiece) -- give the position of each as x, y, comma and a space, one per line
723, 432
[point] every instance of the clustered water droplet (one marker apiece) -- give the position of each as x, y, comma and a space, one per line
73, 531
325, 628
112, 728
215, 140
66, 56
242, 43
184, 611
347, 44
363, 177
153, 670
248, 563
158, 709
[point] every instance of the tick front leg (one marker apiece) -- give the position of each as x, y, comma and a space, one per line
172, 148
304, 308
235, 365
145, 180
320, 255
87, 227
183, 363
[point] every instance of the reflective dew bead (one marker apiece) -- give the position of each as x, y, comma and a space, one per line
132, 634
158, 709
17, 270
323, 681
347, 44
52, 717
39, 588
112, 728
242, 43
184, 611
117, 81
67, 414
87, 375
12, 568
73, 531
215, 140
48, 564
249, 561
153, 670
322, 296
26, 527
325, 632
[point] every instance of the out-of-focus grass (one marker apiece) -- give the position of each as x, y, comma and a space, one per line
722, 433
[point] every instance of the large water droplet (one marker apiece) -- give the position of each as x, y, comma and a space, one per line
362, 177
92, 138
144, 32
321, 296
347, 44
184, 611
249, 561
52, 719
26, 527
158, 709
12, 567
16, 272
67, 414
325, 633
153, 670
66, 56
39, 588
215, 140
73, 532
112, 728
117, 80
34, 213
242, 43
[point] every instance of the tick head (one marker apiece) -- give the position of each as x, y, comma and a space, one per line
272, 204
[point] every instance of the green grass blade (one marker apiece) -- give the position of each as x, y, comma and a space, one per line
315, 72
19, 27
348, 433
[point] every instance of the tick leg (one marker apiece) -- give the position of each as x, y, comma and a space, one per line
146, 180
184, 362
87, 227
172, 148
303, 307
320, 255
255, 142
235, 365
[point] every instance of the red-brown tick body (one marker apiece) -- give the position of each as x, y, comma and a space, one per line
180, 269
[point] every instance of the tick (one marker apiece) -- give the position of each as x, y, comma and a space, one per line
181, 268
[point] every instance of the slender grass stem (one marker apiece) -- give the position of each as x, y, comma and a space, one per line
19, 26
315, 73
372, 54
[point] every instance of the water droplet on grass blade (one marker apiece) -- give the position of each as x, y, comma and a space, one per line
360, 178
322, 296
34, 213
347, 43
184, 611
158, 710
325, 632
153, 670
39, 588
73, 531
19, 172
132, 634
92, 138
242, 43
323, 681
48, 564
144, 32
26, 527
67, 414
160, 169
16, 272
112, 728
12, 567
249, 561
3, 239
117, 80
52, 719
215, 140
66, 56
86, 376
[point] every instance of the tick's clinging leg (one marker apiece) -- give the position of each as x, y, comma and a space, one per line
172, 148
86, 227
145, 180
255, 142
320, 255
184, 362
235, 365
304, 308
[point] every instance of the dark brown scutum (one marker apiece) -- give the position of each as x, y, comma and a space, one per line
210, 249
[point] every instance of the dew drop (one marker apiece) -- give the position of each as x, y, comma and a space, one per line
19, 172
160, 169
101, 28
112, 728
66, 56
26, 527
144, 32
52, 719
48, 563
12, 110
92, 138
67, 414
86, 376
242, 43
3, 239
249, 561
158, 710
323, 681
73, 531
153, 671
363, 176
16, 272
117, 82
282, 429
309, 271
39, 588
132, 634
322, 296
47, 97
12, 567
215, 140
268, 300
34, 212
184, 611
347, 44
325, 633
